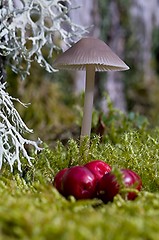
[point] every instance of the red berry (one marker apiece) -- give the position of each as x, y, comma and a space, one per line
131, 179
79, 182
58, 180
109, 186
99, 168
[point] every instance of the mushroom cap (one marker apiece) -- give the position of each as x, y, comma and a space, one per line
90, 51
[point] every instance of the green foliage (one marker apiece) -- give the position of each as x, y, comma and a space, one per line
115, 122
49, 110
32, 209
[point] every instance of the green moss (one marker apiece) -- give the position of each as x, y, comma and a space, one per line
32, 209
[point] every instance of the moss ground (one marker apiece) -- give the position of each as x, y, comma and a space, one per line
32, 209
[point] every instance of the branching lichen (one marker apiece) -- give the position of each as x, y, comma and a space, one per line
32, 29
12, 144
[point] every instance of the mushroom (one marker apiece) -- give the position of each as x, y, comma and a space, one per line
90, 55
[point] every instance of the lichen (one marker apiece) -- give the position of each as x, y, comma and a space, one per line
12, 143
29, 27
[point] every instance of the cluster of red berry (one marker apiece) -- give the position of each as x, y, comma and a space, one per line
96, 180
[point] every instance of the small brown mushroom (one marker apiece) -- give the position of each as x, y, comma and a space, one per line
92, 55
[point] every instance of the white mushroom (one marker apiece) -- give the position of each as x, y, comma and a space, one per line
90, 55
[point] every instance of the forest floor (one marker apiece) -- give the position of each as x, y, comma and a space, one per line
31, 208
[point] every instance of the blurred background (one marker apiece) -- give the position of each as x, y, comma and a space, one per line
131, 29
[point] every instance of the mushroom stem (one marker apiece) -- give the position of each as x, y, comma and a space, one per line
88, 101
